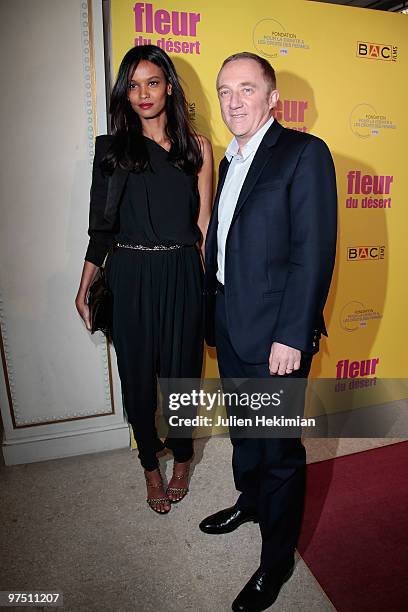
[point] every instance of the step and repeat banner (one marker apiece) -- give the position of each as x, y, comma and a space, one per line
341, 73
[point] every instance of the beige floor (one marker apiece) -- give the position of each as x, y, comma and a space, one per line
81, 525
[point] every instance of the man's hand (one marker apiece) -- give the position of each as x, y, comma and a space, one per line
283, 359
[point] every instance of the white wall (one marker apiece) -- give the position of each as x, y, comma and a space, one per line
53, 372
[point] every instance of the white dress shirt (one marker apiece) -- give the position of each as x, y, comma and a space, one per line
236, 174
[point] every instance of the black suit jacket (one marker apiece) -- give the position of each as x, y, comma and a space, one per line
280, 248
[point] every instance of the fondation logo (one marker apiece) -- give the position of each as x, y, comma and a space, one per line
272, 39
160, 22
355, 316
377, 51
366, 122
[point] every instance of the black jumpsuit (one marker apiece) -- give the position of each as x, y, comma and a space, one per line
157, 294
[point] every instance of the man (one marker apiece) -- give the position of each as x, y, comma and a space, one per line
269, 259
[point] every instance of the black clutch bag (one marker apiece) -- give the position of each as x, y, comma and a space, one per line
100, 304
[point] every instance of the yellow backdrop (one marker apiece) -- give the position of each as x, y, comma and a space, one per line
341, 74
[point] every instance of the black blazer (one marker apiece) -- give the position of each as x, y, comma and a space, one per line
280, 248
106, 192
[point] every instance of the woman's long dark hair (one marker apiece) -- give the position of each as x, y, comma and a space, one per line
128, 148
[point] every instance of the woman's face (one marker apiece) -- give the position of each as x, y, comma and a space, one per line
148, 90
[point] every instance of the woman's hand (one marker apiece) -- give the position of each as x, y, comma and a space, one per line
88, 274
205, 188
83, 309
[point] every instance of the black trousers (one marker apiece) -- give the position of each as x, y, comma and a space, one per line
269, 472
157, 332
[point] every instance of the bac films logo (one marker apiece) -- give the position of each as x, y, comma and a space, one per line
377, 51
366, 253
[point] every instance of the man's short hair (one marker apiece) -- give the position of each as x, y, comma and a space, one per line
268, 71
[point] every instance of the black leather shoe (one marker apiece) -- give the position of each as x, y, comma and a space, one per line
227, 520
260, 591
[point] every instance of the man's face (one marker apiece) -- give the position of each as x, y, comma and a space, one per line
245, 98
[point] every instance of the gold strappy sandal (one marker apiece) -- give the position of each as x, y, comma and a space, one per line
179, 490
155, 502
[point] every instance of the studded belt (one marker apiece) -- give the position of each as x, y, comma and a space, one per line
156, 247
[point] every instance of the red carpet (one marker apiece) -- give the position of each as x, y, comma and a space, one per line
355, 530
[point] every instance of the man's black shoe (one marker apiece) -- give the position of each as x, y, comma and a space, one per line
260, 591
227, 520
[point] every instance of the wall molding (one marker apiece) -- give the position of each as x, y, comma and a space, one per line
38, 422
18, 421
66, 444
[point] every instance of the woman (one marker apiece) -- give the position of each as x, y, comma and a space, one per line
150, 207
